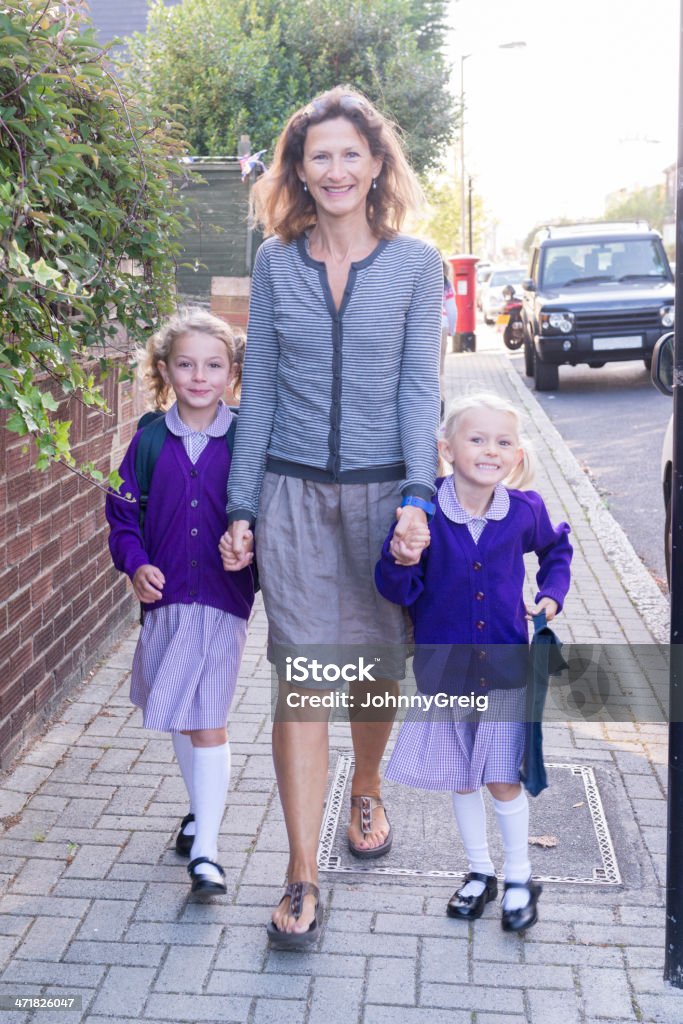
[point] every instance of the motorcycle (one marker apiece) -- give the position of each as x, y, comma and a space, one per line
511, 319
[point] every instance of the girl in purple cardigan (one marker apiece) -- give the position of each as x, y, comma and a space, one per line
465, 599
195, 614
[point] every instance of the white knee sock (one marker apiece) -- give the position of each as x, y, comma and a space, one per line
182, 745
470, 815
210, 781
513, 822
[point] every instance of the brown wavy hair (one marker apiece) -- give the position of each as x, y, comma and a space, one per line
160, 346
280, 204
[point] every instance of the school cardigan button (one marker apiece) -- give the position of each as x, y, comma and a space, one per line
194, 503
481, 624
194, 531
193, 472
194, 563
476, 565
479, 595
482, 655
482, 681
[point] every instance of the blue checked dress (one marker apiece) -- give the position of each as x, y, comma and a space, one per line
459, 749
188, 655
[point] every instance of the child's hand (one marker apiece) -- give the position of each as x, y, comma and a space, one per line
237, 546
148, 583
411, 535
547, 605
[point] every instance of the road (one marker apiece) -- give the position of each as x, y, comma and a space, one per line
614, 421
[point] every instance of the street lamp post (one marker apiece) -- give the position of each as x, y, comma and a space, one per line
518, 44
673, 944
463, 235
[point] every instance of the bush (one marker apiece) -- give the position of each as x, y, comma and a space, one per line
89, 215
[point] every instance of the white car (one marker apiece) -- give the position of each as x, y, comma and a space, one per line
493, 300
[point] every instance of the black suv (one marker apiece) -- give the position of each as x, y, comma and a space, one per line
596, 293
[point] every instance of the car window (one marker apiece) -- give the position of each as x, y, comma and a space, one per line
603, 260
506, 277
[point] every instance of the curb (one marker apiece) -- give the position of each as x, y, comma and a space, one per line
646, 596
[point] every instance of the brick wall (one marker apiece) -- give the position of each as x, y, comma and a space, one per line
61, 601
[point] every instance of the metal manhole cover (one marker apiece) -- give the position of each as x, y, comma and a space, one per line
426, 842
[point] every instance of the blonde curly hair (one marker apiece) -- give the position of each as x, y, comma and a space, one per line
523, 474
160, 346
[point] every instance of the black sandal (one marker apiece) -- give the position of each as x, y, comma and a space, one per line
367, 805
469, 908
296, 940
523, 917
183, 843
201, 884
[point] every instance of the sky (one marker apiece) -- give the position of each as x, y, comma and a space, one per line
587, 107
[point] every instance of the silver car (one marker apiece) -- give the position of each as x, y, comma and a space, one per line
493, 300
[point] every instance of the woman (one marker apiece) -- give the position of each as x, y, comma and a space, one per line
340, 405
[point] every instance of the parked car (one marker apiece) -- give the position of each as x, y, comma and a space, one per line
493, 300
595, 293
662, 377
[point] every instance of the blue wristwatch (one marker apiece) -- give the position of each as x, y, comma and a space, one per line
427, 506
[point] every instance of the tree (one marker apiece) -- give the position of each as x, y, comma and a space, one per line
440, 222
648, 204
88, 218
241, 66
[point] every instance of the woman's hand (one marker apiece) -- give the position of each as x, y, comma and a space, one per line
547, 605
411, 535
237, 546
148, 582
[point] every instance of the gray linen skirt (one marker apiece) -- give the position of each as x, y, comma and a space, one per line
317, 545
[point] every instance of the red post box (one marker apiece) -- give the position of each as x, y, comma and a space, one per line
464, 285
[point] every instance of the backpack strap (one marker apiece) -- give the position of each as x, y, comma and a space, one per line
154, 433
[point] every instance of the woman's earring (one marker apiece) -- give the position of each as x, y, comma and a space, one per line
374, 182
305, 187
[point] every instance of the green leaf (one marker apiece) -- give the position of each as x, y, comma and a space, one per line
45, 274
16, 424
49, 402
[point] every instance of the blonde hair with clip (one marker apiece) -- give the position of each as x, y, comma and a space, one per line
160, 346
523, 474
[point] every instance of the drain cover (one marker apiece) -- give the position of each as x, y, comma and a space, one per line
426, 843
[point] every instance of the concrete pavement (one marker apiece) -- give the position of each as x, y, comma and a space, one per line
94, 901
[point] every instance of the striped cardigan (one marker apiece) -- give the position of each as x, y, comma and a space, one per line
342, 396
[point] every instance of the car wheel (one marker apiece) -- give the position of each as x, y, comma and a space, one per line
596, 366
648, 363
667, 528
528, 358
546, 376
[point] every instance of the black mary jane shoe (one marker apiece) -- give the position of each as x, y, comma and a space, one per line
203, 886
183, 843
469, 908
524, 917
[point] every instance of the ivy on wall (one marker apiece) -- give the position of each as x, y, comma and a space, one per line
89, 217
